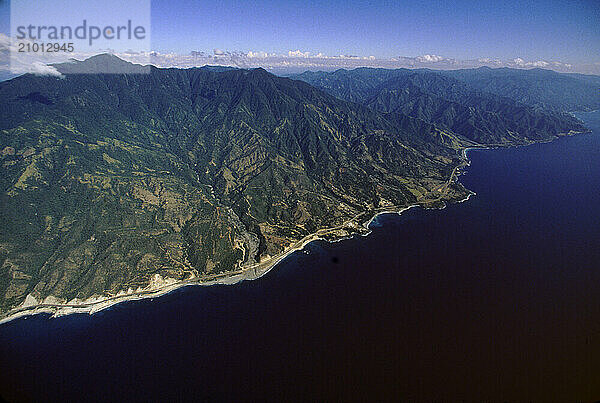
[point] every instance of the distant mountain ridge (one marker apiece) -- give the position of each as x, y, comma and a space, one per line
116, 182
536, 87
464, 101
560, 92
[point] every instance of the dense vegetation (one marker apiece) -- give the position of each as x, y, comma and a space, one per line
485, 105
110, 179
536, 87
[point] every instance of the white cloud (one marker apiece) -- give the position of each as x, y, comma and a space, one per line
18, 63
4, 40
298, 53
41, 69
430, 58
259, 54
297, 61
520, 63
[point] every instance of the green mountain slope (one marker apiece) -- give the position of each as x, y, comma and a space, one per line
539, 88
481, 117
536, 87
112, 179
449, 103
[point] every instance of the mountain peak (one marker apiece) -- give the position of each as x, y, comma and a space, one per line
104, 56
104, 63
260, 72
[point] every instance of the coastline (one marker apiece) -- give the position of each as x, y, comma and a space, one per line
159, 286
253, 272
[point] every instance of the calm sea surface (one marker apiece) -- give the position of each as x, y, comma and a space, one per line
497, 297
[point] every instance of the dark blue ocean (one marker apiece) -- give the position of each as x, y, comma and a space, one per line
497, 298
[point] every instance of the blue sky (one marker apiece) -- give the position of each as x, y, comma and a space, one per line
459, 29
462, 29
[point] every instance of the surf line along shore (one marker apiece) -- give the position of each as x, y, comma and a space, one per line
159, 286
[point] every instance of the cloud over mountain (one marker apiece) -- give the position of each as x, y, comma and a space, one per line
293, 61
20, 62
300, 60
